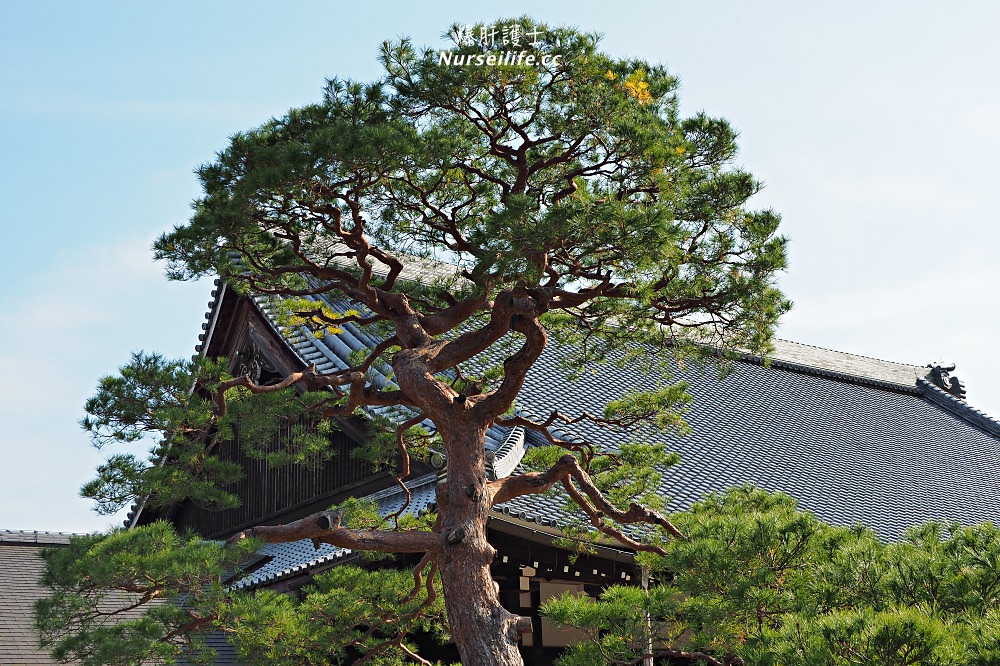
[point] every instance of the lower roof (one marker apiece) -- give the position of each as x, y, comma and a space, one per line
22, 564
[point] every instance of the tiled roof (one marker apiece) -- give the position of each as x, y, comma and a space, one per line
854, 439
848, 448
22, 564
288, 559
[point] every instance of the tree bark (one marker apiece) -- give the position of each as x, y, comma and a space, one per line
486, 634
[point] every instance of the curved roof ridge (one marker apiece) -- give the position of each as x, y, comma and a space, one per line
39, 537
502, 462
959, 407
844, 366
784, 341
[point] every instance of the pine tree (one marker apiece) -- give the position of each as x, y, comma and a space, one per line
574, 202
760, 583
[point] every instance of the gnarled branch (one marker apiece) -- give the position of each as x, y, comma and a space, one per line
588, 497
325, 527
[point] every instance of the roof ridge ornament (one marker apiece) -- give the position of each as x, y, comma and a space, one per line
940, 376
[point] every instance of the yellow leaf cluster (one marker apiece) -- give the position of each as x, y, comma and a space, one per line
329, 330
638, 88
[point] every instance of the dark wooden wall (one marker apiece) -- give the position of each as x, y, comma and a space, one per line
271, 495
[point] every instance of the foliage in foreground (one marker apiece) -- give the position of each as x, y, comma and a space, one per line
149, 595
759, 582
756, 582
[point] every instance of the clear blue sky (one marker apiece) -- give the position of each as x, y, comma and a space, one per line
874, 127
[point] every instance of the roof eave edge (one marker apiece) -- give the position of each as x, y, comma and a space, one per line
214, 306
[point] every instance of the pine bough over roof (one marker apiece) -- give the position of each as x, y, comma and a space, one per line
331, 353
282, 560
22, 566
853, 439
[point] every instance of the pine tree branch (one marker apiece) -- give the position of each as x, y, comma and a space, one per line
455, 314
503, 310
404, 469
542, 427
588, 497
358, 394
636, 513
325, 527
410, 618
531, 483
515, 367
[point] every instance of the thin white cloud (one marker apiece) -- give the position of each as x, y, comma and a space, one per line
75, 323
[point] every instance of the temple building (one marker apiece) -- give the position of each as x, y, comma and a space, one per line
855, 440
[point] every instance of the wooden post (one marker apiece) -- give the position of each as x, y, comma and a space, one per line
648, 659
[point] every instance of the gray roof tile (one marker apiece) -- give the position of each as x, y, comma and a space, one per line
854, 439
851, 450
22, 565
288, 559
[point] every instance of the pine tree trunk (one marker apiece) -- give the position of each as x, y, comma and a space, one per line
486, 634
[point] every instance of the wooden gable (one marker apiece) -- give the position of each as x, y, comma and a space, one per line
238, 331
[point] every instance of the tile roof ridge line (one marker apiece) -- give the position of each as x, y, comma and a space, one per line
848, 377
412, 484
220, 287
844, 353
959, 407
40, 538
42, 532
